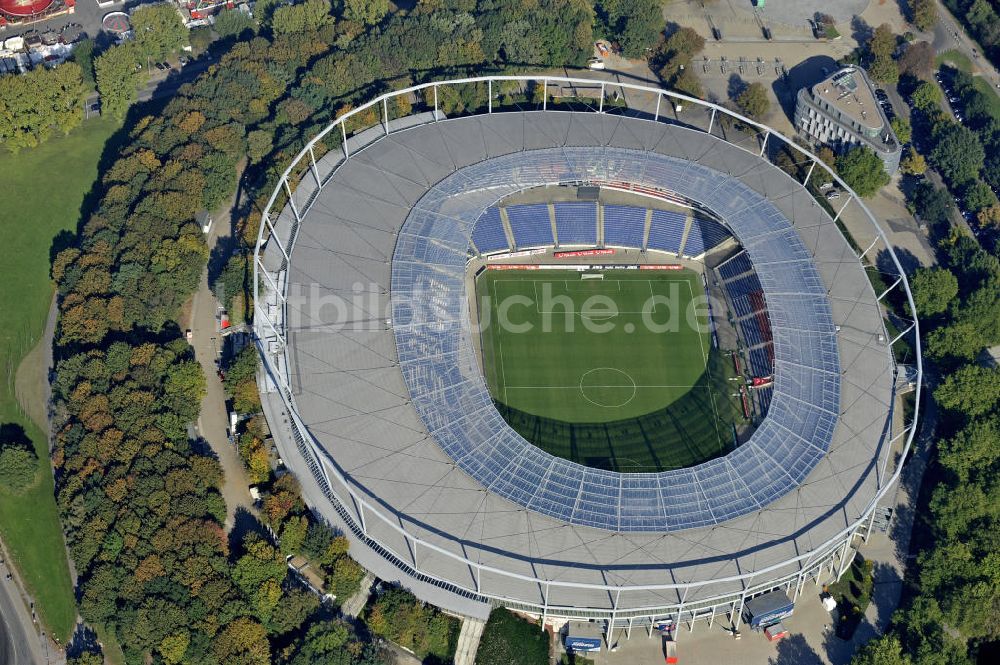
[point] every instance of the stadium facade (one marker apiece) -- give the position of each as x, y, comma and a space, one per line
376, 401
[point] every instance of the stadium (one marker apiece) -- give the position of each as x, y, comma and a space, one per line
627, 477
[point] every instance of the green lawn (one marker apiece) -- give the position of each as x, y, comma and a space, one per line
960, 61
43, 191
613, 373
956, 59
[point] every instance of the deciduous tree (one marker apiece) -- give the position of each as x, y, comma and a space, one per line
234, 23
365, 12
972, 390
926, 97
918, 60
923, 13
18, 467
309, 15
862, 170
914, 163
635, 24
753, 101
158, 29
977, 196
884, 650
901, 128
934, 289
957, 152
117, 78
882, 46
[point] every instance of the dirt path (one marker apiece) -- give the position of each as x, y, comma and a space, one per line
213, 422
31, 382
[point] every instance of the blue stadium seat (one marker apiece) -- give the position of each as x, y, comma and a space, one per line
760, 362
576, 223
530, 224
743, 286
666, 229
488, 235
764, 396
705, 234
735, 266
623, 226
751, 331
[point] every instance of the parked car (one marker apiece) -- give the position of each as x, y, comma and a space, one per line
825, 186
832, 195
602, 49
595, 63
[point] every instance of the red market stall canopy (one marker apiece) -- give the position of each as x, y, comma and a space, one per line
23, 8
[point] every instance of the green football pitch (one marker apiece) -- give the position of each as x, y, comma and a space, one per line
614, 370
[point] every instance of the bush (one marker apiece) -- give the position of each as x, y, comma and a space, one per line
510, 640
399, 616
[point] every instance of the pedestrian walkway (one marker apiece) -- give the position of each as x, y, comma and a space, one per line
352, 606
213, 423
468, 641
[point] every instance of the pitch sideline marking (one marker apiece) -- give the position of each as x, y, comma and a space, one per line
711, 393
503, 375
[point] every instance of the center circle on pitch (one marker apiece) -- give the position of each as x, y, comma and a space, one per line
607, 387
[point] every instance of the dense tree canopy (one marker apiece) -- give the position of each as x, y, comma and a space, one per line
234, 23
957, 154
421, 628
972, 390
635, 24
365, 12
862, 170
36, 104
885, 650
672, 59
117, 74
934, 289
158, 29
923, 13
882, 47
306, 16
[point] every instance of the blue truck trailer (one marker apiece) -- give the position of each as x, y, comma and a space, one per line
767, 609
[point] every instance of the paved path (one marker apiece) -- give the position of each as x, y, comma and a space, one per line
468, 641
352, 606
213, 422
950, 35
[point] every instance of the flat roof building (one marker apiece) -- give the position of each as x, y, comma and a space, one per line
842, 111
